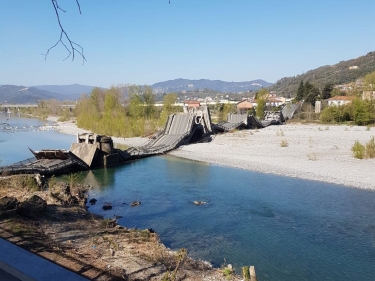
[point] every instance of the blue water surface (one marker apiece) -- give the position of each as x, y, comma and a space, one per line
14, 143
290, 229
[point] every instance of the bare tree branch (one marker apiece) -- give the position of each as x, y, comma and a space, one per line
70, 46
79, 7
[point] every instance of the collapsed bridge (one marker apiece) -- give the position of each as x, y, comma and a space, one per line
94, 151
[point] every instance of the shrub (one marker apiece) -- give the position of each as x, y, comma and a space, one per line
284, 143
370, 148
358, 150
245, 273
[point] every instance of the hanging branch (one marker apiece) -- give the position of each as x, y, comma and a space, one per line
71, 47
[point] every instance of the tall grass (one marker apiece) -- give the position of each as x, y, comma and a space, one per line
361, 151
370, 148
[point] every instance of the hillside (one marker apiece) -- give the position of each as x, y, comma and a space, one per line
340, 73
71, 92
21, 94
179, 85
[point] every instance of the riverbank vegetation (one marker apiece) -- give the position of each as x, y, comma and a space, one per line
131, 111
123, 112
47, 108
367, 150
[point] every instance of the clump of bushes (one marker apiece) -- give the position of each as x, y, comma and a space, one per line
361, 151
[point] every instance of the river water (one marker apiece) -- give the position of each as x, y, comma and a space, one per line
290, 229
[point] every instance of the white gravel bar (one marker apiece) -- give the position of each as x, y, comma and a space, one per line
313, 152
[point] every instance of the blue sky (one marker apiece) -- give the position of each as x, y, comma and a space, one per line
148, 41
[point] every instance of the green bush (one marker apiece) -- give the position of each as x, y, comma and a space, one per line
370, 148
361, 151
358, 150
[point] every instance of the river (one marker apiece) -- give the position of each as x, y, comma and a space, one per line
290, 229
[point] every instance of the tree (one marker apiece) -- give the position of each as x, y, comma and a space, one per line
149, 101
224, 109
168, 108
307, 89
363, 112
326, 93
300, 91
370, 81
135, 107
312, 94
261, 99
97, 96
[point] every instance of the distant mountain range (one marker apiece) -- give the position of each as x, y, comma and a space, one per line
179, 85
22, 94
67, 92
341, 73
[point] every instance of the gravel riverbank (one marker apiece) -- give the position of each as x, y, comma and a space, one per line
313, 152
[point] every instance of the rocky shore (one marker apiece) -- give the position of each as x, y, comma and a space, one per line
55, 224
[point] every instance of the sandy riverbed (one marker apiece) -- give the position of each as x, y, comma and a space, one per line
314, 152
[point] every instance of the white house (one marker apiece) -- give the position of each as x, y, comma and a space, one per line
339, 100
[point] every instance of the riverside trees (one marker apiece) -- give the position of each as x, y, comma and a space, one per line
123, 111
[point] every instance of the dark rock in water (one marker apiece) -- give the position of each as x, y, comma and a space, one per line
8, 203
107, 206
151, 230
92, 201
33, 206
135, 203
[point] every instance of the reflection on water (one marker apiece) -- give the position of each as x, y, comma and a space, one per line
290, 229
192, 175
99, 179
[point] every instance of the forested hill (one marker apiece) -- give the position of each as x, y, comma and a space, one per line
340, 73
178, 85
